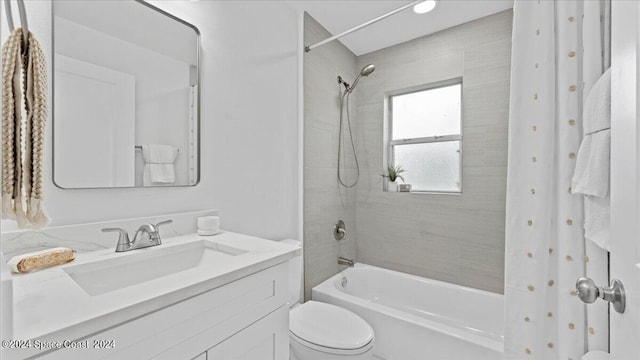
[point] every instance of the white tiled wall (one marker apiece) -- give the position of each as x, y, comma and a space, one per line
324, 201
455, 238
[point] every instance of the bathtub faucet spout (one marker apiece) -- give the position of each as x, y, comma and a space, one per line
344, 261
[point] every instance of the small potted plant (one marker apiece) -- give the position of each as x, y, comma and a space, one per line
392, 175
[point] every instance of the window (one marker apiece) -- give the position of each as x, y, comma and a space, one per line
425, 136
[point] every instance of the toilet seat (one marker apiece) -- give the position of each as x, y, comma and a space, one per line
330, 329
328, 350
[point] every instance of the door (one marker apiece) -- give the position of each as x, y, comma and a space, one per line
95, 125
625, 177
267, 339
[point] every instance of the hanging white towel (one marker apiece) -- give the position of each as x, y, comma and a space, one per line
592, 172
597, 215
591, 176
158, 169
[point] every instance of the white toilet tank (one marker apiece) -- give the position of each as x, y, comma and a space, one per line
295, 275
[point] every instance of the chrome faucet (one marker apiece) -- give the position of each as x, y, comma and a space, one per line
345, 261
147, 235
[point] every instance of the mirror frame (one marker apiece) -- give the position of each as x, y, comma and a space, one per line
198, 120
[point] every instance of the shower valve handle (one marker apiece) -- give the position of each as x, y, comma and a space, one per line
339, 230
588, 292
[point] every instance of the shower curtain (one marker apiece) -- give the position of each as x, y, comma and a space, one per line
545, 246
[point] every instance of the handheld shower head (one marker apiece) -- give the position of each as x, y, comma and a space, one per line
366, 71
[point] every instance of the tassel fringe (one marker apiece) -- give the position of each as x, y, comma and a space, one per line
8, 211
37, 214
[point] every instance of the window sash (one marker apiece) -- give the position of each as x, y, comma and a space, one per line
422, 140
392, 158
421, 88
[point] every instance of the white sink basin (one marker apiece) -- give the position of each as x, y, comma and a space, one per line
138, 266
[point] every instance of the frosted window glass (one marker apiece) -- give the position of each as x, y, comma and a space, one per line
430, 166
433, 112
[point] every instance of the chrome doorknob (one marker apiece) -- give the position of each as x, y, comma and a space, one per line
588, 292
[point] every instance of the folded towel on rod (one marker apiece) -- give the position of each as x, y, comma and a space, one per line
159, 169
592, 172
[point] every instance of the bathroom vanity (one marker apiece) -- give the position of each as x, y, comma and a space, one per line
193, 297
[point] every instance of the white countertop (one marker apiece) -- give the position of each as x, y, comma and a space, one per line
50, 305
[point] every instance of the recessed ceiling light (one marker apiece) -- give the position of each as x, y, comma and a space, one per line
424, 7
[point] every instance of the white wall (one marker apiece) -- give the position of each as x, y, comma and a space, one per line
248, 124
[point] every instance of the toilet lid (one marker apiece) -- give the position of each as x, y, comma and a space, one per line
329, 326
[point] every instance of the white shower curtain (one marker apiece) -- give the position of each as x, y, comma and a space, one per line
545, 246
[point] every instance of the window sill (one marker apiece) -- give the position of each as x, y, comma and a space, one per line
456, 193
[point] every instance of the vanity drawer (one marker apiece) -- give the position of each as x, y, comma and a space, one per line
188, 328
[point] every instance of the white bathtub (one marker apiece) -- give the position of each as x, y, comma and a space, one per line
414, 318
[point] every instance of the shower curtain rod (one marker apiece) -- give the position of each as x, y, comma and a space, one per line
381, 17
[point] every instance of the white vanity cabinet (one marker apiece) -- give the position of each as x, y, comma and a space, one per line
245, 319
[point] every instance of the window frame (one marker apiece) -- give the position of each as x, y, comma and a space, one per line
391, 144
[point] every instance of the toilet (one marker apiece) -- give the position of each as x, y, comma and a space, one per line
321, 331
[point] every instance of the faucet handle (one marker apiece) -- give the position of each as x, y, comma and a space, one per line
123, 238
157, 227
166, 222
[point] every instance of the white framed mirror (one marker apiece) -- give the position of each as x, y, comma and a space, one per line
125, 96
